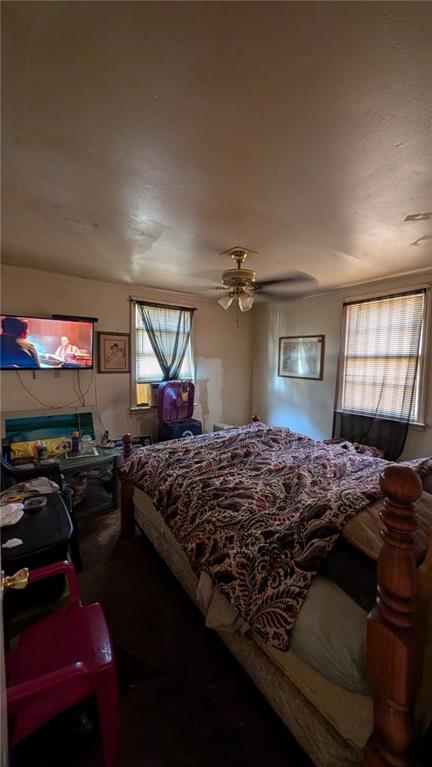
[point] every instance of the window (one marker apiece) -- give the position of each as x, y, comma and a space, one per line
383, 357
172, 327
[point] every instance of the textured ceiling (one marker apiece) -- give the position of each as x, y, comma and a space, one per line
139, 139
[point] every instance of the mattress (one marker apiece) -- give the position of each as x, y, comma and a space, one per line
335, 703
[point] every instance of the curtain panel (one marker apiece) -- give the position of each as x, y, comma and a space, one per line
162, 342
380, 371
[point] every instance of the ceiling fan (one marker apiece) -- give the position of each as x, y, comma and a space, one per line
241, 284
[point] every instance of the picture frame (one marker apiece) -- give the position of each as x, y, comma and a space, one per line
301, 357
113, 352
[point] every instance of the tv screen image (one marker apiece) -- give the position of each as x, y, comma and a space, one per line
32, 343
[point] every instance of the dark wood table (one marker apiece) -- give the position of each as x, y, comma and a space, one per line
46, 535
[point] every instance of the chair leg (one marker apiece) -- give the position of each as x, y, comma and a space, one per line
107, 702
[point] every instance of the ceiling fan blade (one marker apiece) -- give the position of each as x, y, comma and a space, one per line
292, 279
265, 296
277, 296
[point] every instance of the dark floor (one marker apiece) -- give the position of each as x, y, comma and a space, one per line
185, 702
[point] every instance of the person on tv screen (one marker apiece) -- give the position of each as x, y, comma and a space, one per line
66, 348
16, 351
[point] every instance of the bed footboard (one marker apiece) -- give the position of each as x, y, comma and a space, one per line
394, 637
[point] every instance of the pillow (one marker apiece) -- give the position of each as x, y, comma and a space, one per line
330, 635
363, 531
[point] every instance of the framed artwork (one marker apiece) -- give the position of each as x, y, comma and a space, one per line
113, 352
301, 357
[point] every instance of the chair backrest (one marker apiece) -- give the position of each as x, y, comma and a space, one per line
7, 476
11, 475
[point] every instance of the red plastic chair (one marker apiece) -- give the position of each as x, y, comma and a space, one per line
61, 660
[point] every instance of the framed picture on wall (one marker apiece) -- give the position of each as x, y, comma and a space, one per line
301, 357
113, 352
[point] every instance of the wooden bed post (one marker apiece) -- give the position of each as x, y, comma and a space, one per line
127, 446
394, 640
127, 490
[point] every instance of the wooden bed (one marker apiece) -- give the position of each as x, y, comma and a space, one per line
396, 625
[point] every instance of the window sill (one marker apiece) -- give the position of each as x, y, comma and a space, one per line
417, 425
140, 408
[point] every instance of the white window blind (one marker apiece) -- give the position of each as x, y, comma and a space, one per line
382, 356
147, 368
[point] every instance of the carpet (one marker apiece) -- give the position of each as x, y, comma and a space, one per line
184, 700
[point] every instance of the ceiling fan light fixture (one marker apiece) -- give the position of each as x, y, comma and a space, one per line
241, 284
246, 302
226, 301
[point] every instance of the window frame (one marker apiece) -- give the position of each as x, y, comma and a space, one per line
134, 406
423, 364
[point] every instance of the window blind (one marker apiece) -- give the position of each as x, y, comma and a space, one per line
382, 360
147, 368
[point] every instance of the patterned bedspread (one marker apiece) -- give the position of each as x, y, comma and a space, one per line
258, 508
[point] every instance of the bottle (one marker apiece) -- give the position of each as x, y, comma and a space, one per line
42, 451
105, 438
75, 441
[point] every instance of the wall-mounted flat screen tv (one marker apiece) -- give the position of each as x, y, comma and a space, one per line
32, 343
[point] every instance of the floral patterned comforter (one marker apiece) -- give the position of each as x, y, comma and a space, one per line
258, 508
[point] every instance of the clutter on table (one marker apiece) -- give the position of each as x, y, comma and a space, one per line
12, 543
11, 513
32, 505
37, 486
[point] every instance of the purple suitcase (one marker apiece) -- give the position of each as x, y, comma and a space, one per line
176, 401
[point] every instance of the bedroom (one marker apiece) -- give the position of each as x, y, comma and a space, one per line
139, 141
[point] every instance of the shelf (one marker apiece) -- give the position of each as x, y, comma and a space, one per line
96, 501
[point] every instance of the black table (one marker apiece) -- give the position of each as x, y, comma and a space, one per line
45, 535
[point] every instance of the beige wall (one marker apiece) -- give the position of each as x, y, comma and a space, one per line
223, 352
307, 406
223, 355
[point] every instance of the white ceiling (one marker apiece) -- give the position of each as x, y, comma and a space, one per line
142, 138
